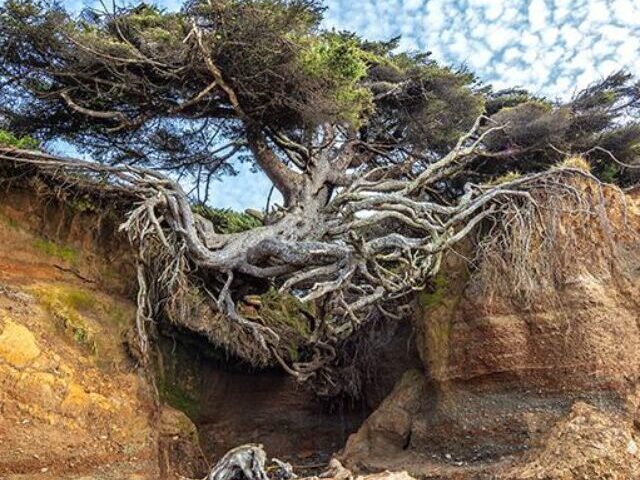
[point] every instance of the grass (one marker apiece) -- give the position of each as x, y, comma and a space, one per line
505, 178
575, 161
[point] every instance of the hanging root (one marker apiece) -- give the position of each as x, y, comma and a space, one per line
574, 225
360, 258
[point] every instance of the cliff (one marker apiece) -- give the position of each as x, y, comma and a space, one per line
530, 366
512, 368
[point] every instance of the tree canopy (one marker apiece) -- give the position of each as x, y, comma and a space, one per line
383, 158
189, 91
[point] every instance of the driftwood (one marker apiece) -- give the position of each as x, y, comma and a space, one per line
249, 462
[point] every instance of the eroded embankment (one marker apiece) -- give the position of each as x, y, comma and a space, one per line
529, 372
73, 400
531, 365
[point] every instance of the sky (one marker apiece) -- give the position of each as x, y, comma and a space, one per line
551, 47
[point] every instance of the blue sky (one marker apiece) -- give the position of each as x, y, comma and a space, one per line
551, 47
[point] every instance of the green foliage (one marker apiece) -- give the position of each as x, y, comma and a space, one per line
145, 28
8, 139
609, 172
441, 104
226, 220
288, 76
63, 252
338, 61
83, 204
509, 98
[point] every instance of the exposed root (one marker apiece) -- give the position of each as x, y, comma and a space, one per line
529, 250
359, 257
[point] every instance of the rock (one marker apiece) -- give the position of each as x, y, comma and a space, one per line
387, 476
179, 445
387, 431
18, 346
336, 471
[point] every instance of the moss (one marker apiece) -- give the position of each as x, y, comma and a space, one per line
285, 314
178, 397
438, 306
436, 295
285, 310
65, 305
63, 252
118, 317
80, 299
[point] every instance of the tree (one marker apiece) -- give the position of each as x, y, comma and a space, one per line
384, 160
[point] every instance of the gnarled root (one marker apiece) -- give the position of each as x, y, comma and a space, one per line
248, 462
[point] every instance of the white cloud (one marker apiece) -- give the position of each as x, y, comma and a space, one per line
548, 46
493, 11
538, 13
623, 10
413, 4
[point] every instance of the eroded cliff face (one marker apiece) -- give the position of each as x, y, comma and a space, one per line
74, 402
546, 388
506, 382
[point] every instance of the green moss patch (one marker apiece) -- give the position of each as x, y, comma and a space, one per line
63, 252
84, 318
435, 295
65, 305
178, 397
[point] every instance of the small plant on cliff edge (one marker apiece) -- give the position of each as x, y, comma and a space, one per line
8, 139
